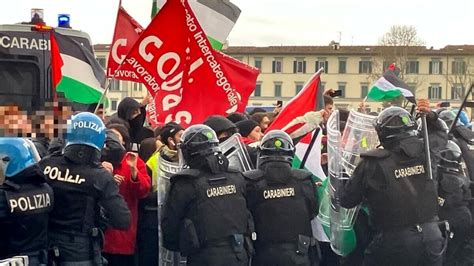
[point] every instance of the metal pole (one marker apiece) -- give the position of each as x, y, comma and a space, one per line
427, 145
460, 109
110, 81
310, 147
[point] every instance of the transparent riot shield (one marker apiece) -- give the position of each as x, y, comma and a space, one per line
236, 152
165, 170
343, 155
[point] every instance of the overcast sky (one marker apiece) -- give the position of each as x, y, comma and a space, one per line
281, 22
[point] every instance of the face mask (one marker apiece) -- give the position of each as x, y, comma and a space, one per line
113, 153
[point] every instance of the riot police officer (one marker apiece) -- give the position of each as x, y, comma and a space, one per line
464, 137
206, 216
283, 203
454, 195
81, 187
401, 198
25, 201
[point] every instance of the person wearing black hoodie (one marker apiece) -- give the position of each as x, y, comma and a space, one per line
132, 114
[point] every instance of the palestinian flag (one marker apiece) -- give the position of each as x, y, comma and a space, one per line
81, 77
313, 164
390, 87
217, 18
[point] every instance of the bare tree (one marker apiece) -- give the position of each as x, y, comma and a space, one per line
462, 76
397, 46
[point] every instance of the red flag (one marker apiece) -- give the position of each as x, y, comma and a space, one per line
242, 75
56, 61
126, 33
305, 101
175, 61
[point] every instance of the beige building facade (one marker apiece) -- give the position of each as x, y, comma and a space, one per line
437, 74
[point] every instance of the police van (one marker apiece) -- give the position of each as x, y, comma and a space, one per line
25, 63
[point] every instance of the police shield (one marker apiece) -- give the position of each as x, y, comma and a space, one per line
236, 153
165, 170
343, 155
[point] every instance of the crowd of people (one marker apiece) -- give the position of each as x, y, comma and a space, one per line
90, 198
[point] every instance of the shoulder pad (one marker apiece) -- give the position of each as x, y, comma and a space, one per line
253, 174
233, 170
377, 153
193, 173
301, 174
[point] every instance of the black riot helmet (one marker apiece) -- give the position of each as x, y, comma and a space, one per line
394, 123
197, 142
448, 116
276, 146
451, 157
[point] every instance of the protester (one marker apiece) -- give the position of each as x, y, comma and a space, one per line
263, 120
250, 131
236, 117
134, 184
223, 127
170, 136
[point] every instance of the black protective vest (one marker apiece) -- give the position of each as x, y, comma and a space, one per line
453, 189
465, 140
75, 188
280, 210
24, 209
400, 193
219, 209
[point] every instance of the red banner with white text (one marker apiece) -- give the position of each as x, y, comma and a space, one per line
126, 33
188, 79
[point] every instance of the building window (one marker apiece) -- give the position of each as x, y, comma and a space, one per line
434, 92
299, 66
322, 63
113, 104
258, 90
342, 87
412, 67
298, 87
278, 89
258, 63
342, 66
240, 58
277, 65
365, 66
364, 90
115, 86
457, 92
385, 65
436, 67
458, 67
137, 86
101, 61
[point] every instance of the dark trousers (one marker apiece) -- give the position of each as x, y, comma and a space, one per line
423, 245
147, 242
222, 255
119, 260
281, 255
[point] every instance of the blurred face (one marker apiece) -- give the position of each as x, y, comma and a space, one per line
118, 135
256, 134
264, 123
173, 141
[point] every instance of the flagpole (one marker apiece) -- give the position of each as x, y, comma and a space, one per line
104, 94
453, 124
427, 145
310, 147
